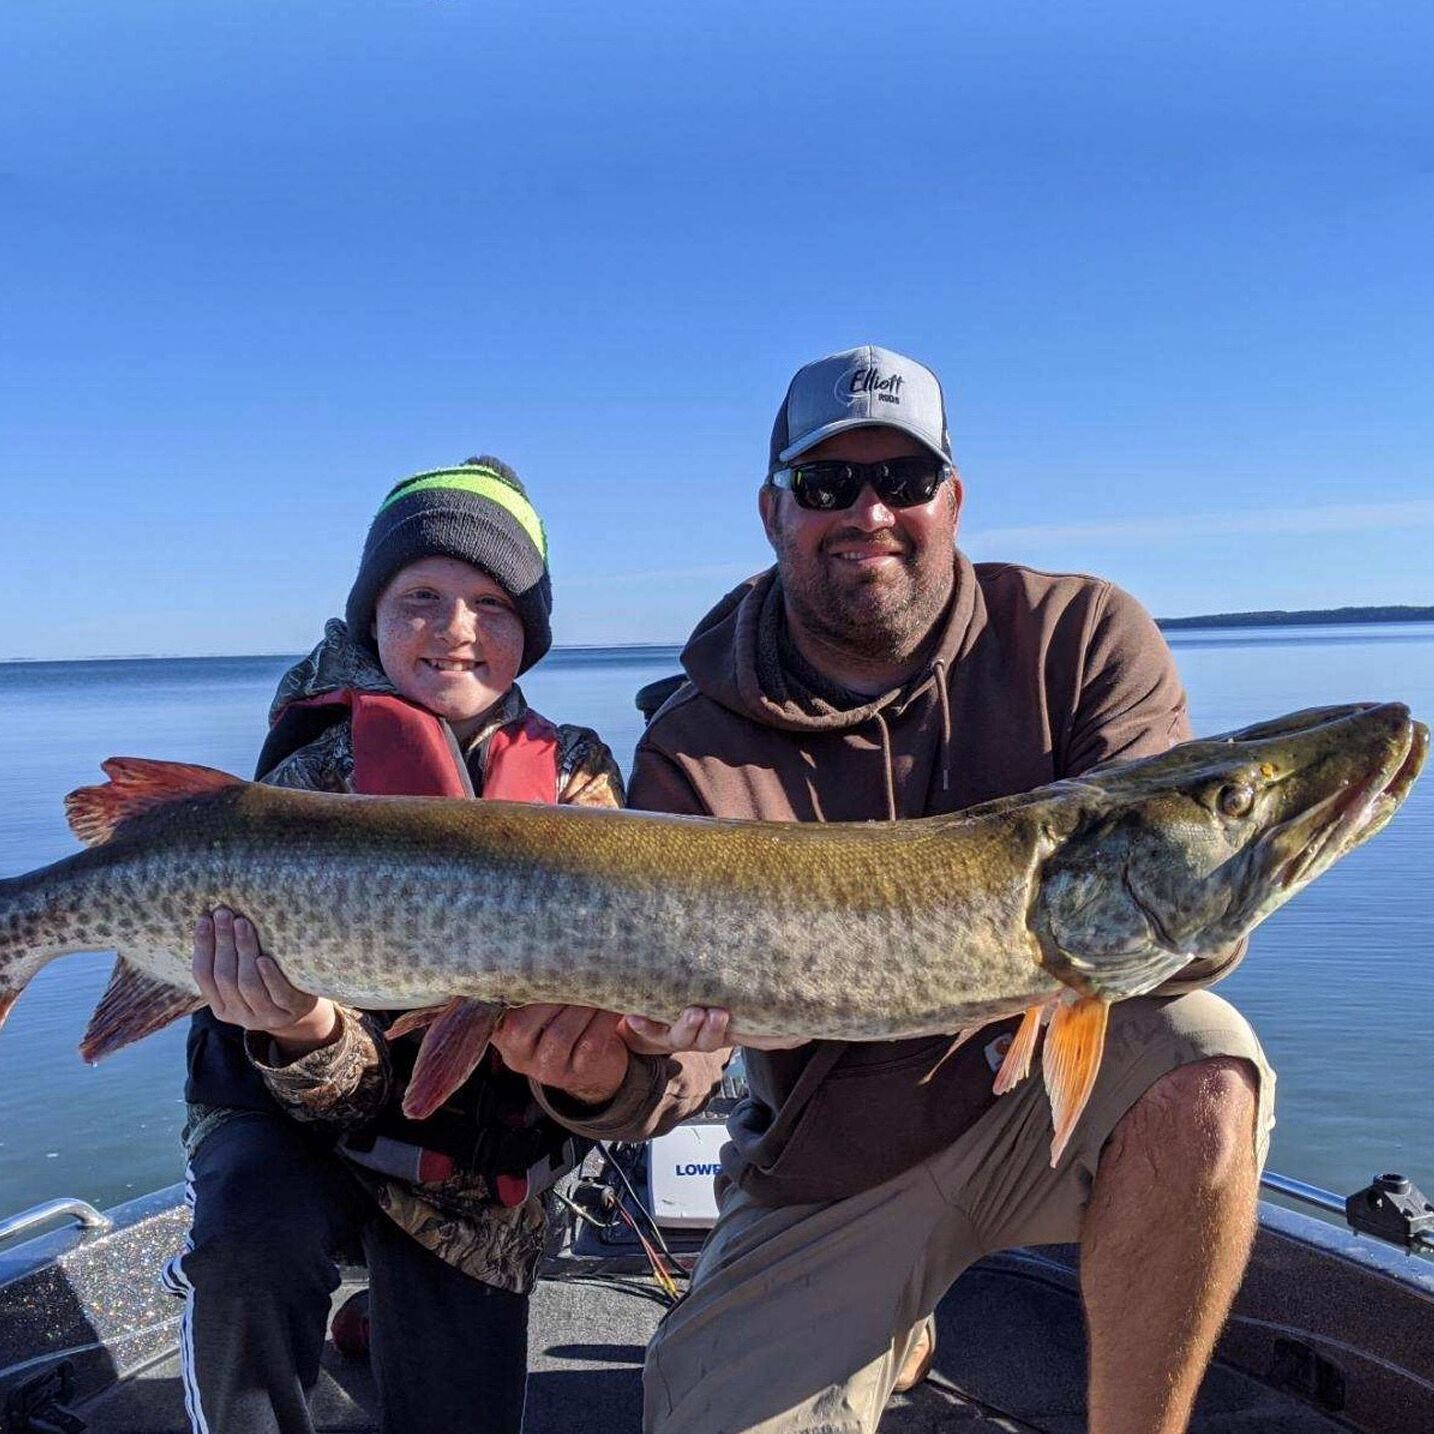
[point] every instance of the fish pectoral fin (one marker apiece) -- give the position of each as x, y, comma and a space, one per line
137, 785
1071, 1062
1017, 1063
134, 1005
453, 1045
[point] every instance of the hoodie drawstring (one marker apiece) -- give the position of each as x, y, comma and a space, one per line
943, 695
812, 793
890, 773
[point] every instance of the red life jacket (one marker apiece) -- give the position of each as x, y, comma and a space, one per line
400, 750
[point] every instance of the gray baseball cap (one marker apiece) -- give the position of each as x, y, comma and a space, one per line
856, 389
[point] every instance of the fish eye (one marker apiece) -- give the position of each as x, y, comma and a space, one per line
1235, 799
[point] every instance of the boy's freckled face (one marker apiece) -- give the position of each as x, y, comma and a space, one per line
449, 638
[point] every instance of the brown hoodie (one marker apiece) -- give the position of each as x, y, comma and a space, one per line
1036, 676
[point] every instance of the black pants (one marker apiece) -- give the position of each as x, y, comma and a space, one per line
270, 1205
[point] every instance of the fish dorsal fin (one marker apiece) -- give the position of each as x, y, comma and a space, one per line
134, 1005
136, 786
1071, 1061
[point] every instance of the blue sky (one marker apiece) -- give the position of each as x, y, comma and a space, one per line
259, 260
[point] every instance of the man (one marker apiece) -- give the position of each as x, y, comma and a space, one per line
876, 672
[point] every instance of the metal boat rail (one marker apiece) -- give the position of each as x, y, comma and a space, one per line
82, 1211
1391, 1208
86, 1216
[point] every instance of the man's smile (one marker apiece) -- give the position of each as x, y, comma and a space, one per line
866, 551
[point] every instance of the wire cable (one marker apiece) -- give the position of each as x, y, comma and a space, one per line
660, 1271
636, 1199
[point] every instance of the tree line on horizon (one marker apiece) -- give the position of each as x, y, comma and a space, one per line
1308, 617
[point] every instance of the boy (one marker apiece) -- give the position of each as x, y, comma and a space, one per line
296, 1138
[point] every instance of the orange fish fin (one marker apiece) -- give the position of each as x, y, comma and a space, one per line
453, 1045
1071, 1061
136, 786
1017, 1064
135, 1004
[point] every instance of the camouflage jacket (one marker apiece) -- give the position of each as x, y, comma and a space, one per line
347, 1085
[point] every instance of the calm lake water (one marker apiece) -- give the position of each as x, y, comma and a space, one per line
1336, 982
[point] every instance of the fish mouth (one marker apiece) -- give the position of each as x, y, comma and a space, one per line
1348, 818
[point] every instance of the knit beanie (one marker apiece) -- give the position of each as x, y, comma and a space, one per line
479, 513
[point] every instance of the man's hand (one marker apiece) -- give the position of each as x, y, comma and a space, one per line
576, 1049
247, 988
698, 1028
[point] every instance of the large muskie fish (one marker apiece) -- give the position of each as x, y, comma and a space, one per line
1053, 903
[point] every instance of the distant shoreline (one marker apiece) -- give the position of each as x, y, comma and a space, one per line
1309, 617
1277, 617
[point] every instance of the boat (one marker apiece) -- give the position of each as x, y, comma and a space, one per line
1332, 1330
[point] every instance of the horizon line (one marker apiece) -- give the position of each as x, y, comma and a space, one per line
1417, 612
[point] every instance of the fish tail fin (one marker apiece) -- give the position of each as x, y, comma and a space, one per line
455, 1041
137, 785
1074, 1044
1022, 1051
134, 1005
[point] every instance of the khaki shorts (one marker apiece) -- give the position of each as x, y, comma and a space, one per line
799, 1316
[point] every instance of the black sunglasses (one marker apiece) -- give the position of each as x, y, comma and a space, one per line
832, 483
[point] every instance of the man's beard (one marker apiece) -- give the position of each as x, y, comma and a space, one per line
880, 616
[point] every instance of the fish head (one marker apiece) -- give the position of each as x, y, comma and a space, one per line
1175, 857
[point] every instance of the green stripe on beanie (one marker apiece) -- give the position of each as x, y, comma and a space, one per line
479, 513
486, 482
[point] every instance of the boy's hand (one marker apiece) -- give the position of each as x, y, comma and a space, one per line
576, 1049
698, 1028
247, 988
